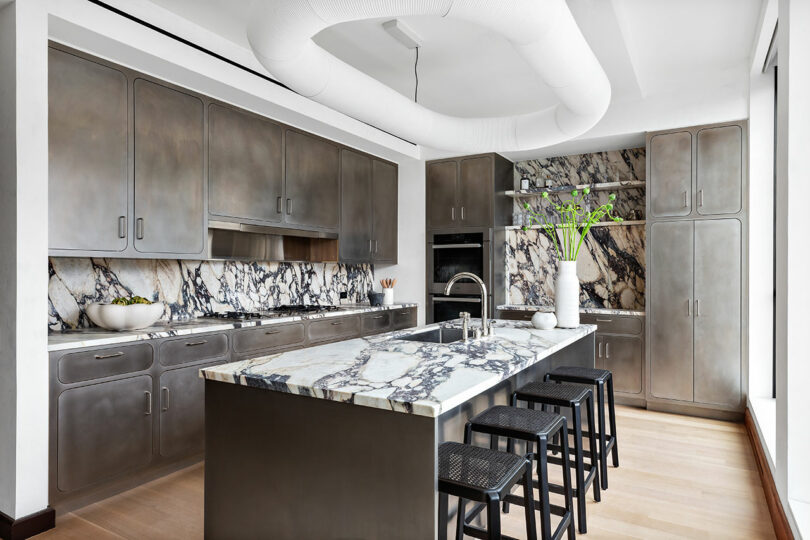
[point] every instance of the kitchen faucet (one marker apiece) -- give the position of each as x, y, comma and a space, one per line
485, 329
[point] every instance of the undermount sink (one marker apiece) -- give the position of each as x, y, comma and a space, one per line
437, 335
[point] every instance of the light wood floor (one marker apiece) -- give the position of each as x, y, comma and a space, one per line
680, 477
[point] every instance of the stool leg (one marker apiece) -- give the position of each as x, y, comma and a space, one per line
442, 516
493, 442
600, 415
467, 433
542, 479
528, 498
494, 518
597, 496
612, 417
460, 518
566, 471
580, 468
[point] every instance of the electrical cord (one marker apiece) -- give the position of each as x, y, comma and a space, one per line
416, 76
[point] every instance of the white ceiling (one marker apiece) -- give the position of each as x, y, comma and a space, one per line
669, 59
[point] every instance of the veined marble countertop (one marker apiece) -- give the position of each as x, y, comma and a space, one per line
384, 372
90, 337
589, 310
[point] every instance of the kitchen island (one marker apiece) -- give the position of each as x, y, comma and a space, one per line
340, 440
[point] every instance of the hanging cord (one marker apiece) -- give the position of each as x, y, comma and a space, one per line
416, 76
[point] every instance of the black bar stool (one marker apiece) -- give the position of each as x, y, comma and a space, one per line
484, 476
598, 378
533, 427
572, 397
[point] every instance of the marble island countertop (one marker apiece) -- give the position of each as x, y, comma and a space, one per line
589, 310
406, 376
90, 337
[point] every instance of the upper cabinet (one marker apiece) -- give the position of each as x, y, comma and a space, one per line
719, 170
442, 179
312, 182
671, 174
87, 162
169, 176
385, 196
475, 192
245, 165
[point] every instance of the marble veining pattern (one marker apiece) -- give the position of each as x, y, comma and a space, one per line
196, 288
404, 376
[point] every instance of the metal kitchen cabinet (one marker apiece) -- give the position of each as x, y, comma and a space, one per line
624, 357
441, 181
719, 170
669, 292
104, 430
312, 181
169, 181
717, 311
475, 191
87, 155
385, 197
356, 207
670, 174
245, 165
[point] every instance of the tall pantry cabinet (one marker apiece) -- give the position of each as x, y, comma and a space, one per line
696, 271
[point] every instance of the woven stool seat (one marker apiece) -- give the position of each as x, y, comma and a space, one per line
579, 374
552, 393
514, 422
477, 468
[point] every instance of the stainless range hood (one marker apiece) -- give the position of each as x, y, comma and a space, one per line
247, 242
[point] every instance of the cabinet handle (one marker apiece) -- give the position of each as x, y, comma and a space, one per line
607, 350
453, 213
278, 205
700, 198
289, 207
195, 343
600, 350
272, 332
604, 320
462, 213
376, 246
377, 317
139, 228
689, 307
369, 246
148, 402
697, 308
166, 400
122, 226
685, 199
113, 355
336, 323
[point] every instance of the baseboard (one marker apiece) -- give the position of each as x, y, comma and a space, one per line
691, 409
28, 526
780, 523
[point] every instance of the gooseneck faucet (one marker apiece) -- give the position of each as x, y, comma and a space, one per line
469, 275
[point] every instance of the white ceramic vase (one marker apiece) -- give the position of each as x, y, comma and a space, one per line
388, 296
566, 295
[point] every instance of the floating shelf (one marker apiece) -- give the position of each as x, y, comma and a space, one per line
600, 224
605, 186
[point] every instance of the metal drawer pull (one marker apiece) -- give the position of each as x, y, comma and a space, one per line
600, 349
139, 228
278, 205
688, 307
451, 299
166, 400
336, 323
272, 332
148, 403
462, 213
195, 343
700, 198
685, 201
122, 226
369, 246
607, 350
289, 207
453, 213
697, 308
378, 317
113, 355
456, 246
604, 320
376, 246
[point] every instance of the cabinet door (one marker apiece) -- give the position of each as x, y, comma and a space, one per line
168, 170
475, 191
356, 210
182, 411
104, 430
671, 174
87, 155
312, 182
441, 194
624, 357
385, 187
718, 289
244, 165
719, 170
670, 309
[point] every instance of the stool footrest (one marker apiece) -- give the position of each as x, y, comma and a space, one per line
475, 532
560, 511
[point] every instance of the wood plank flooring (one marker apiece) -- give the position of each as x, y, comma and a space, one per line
680, 477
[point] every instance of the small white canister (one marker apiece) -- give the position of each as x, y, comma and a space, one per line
544, 321
388, 298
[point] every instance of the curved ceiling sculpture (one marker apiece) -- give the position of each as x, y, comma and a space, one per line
542, 31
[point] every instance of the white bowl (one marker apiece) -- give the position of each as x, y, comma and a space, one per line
544, 321
115, 317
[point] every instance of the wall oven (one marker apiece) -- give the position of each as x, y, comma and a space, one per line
448, 254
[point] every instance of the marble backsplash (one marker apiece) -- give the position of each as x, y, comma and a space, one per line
194, 288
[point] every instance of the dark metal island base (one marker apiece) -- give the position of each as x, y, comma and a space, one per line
340, 441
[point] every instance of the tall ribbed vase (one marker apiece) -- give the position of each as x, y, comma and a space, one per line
566, 295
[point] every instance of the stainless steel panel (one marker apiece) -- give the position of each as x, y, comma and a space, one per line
168, 170
356, 207
403, 318
385, 197
104, 430
718, 311
87, 155
670, 174
193, 349
475, 191
624, 357
245, 165
375, 322
272, 336
614, 324
333, 328
719, 170
441, 195
670, 309
312, 181
99, 363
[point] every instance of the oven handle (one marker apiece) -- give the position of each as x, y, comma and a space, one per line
451, 299
456, 246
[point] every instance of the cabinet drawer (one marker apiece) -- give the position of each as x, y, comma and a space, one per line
333, 328
268, 337
403, 318
88, 365
193, 349
614, 324
376, 322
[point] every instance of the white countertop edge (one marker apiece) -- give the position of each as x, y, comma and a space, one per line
586, 310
